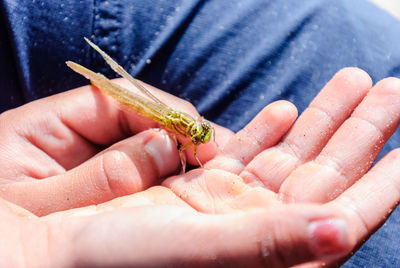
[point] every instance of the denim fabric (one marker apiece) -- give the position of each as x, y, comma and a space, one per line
229, 58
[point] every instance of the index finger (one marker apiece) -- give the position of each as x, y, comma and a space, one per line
73, 126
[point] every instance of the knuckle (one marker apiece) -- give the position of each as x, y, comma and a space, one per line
278, 250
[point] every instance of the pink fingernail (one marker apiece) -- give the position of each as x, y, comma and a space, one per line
328, 238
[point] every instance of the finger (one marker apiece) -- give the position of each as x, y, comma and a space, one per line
264, 131
371, 199
351, 151
272, 238
73, 126
315, 126
127, 167
117, 120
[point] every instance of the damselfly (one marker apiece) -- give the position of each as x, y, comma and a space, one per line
180, 123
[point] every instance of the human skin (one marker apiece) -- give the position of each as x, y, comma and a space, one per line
274, 194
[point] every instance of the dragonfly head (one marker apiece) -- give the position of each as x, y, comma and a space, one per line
202, 132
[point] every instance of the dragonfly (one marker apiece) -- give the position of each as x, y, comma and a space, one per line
198, 130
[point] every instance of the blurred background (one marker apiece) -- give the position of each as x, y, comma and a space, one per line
393, 6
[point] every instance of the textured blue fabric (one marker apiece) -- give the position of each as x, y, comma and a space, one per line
229, 58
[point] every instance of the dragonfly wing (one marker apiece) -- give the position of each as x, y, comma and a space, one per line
121, 71
123, 95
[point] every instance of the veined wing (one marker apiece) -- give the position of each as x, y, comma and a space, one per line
121, 71
155, 111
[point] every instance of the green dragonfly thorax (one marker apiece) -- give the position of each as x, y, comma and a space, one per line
183, 124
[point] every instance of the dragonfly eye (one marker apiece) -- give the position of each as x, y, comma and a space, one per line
206, 138
207, 131
201, 132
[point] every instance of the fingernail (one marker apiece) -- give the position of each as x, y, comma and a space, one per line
164, 152
328, 238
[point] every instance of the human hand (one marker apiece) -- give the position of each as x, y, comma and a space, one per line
324, 158
223, 191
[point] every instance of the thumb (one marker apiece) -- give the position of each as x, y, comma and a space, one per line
282, 237
171, 236
129, 166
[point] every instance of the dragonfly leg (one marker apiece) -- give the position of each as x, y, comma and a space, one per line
187, 145
182, 156
195, 155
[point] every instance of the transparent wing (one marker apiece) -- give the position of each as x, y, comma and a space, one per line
152, 110
121, 71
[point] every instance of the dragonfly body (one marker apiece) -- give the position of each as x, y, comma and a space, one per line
180, 123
